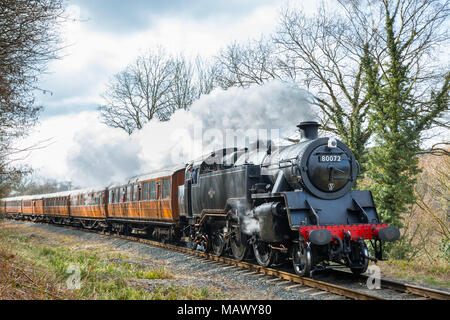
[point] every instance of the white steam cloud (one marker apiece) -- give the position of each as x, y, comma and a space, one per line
89, 153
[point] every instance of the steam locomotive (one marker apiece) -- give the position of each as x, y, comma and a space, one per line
286, 203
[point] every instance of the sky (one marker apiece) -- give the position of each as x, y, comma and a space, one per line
100, 40
107, 35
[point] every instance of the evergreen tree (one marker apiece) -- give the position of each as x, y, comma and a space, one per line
398, 119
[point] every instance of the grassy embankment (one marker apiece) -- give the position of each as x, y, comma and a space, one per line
32, 266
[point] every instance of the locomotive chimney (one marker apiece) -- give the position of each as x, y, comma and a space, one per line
309, 130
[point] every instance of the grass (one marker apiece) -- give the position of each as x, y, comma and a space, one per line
437, 275
102, 274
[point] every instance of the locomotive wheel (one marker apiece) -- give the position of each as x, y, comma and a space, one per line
239, 245
264, 254
217, 243
364, 262
301, 259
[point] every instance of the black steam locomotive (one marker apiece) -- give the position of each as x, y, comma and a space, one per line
293, 202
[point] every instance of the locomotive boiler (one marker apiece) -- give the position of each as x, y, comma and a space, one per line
294, 202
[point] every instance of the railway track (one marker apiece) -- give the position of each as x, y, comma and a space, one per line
398, 289
401, 287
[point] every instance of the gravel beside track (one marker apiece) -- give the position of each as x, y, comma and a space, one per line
234, 282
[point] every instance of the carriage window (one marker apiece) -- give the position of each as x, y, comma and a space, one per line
153, 190
145, 191
129, 195
166, 189
135, 192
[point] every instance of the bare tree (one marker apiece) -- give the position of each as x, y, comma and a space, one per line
243, 65
207, 75
325, 52
413, 32
29, 39
154, 87
324, 56
140, 92
183, 88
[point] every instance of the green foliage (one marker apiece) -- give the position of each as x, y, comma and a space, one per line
444, 248
397, 124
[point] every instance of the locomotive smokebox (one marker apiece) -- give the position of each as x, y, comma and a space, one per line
309, 130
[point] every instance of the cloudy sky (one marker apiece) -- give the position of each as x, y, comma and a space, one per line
108, 34
101, 40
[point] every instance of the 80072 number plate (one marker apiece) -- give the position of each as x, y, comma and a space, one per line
330, 158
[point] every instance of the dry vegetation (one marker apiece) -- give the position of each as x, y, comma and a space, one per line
20, 280
35, 264
423, 254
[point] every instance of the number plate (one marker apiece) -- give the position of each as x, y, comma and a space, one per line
330, 158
